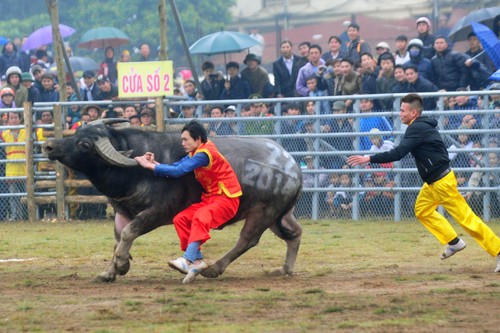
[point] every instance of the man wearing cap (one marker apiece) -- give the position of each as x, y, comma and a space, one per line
108, 90
424, 65
401, 55
13, 77
235, 86
90, 90
255, 74
33, 92
147, 117
382, 47
423, 29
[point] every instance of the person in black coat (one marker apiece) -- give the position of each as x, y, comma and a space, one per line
235, 86
418, 84
450, 72
286, 69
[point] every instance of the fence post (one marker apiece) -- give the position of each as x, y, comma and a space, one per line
58, 134
30, 163
160, 118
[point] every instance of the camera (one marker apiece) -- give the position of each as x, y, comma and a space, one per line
213, 76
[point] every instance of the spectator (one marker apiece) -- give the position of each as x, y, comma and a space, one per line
7, 98
135, 121
476, 50
310, 69
333, 77
130, 111
450, 72
417, 84
351, 81
235, 86
73, 114
378, 143
148, 118
17, 211
312, 86
255, 74
187, 112
213, 83
9, 58
49, 92
108, 90
84, 118
304, 206
145, 53
400, 84
108, 66
42, 57
286, 69
93, 111
339, 125
343, 199
334, 49
13, 78
304, 51
37, 72
458, 158
344, 36
90, 90
258, 49
190, 91
219, 128
379, 202
125, 56
424, 65
401, 55
382, 48
423, 29
230, 112
292, 126
33, 93
385, 81
356, 45
367, 123
370, 73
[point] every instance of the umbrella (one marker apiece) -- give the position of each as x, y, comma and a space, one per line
79, 64
222, 42
490, 42
43, 36
3, 40
495, 76
99, 38
463, 27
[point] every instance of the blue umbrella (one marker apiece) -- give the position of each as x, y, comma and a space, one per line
495, 76
490, 42
222, 42
3, 40
462, 28
43, 36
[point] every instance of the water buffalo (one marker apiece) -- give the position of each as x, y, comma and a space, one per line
271, 181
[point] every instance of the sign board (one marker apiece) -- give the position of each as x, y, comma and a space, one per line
145, 79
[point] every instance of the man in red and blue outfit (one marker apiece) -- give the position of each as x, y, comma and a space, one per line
219, 202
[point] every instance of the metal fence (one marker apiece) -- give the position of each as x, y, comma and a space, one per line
331, 188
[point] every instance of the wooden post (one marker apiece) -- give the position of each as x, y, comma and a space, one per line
30, 163
162, 11
57, 44
160, 118
58, 134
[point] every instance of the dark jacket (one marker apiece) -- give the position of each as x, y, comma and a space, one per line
450, 71
428, 40
423, 64
95, 92
284, 83
356, 48
424, 142
484, 58
106, 96
423, 85
211, 90
9, 59
34, 95
240, 89
49, 95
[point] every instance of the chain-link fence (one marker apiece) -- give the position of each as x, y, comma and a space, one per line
320, 140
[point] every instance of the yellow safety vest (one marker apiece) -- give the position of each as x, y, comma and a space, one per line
14, 153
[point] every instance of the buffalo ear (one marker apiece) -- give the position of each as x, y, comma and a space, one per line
126, 153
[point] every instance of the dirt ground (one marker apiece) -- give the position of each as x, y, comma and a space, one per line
334, 290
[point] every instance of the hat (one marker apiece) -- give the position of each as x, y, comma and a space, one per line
6, 91
13, 70
338, 105
415, 42
308, 157
102, 78
423, 19
36, 68
345, 24
383, 45
232, 64
230, 108
254, 96
250, 57
26, 77
85, 109
375, 132
147, 111
402, 37
88, 73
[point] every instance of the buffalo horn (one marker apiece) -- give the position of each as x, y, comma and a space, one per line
108, 121
110, 155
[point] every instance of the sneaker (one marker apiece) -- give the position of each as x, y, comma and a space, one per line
195, 269
452, 249
497, 270
180, 264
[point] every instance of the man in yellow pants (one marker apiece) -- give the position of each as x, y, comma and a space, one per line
424, 142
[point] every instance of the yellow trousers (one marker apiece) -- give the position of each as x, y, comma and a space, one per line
444, 192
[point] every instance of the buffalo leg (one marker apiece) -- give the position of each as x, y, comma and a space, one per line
292, 243
249, 237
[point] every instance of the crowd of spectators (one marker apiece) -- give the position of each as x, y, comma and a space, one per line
421, 63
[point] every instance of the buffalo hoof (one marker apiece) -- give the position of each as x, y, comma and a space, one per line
123, 267
282, 271
104, 278
211, 272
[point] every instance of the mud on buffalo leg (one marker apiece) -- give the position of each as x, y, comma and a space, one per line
291, 236
250, 235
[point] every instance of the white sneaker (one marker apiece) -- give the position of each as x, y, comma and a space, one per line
196, 268
452, 249
180, 264
497, 270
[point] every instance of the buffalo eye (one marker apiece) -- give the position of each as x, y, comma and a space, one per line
85, 145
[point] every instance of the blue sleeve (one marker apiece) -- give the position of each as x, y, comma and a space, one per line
180, 168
